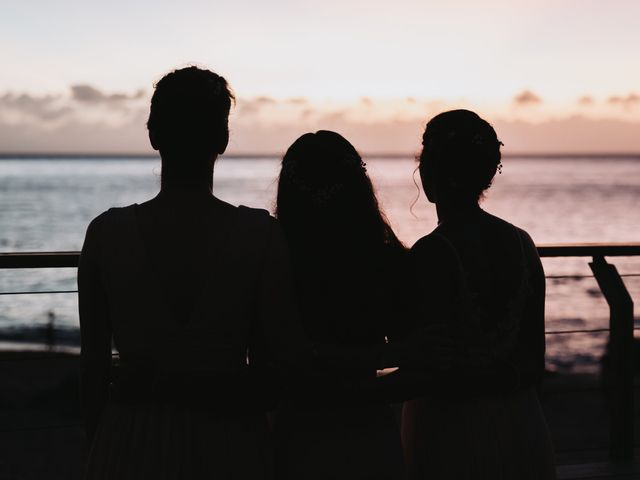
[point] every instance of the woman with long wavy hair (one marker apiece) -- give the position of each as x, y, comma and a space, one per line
348, 274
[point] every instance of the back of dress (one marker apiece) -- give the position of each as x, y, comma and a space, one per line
501, 282
187, 322
198, 317
484, 421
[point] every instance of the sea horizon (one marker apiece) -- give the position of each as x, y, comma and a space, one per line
47, 202
256, 156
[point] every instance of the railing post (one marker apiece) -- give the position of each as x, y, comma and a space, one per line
621, 421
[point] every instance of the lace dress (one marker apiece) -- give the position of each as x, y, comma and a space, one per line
484, 421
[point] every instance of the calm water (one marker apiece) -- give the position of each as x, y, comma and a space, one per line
46, 205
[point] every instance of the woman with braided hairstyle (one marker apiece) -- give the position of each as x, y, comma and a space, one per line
483, 275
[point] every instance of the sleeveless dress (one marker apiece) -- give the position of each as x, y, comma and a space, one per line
178, 408
472, 428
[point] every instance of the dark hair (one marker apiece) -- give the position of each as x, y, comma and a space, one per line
189, 114
346, 259
461, 154
325, 196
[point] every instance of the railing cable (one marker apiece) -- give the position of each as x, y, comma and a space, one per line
39, 292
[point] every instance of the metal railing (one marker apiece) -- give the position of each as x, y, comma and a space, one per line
621, 401
610, 282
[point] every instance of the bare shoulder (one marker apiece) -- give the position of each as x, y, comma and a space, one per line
99, 222
259, 228
257, 222
105, 221
250, 214
99, 234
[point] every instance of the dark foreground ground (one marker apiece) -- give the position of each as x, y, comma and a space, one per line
41, 435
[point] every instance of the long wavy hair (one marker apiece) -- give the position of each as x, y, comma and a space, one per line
345, 255
326, 199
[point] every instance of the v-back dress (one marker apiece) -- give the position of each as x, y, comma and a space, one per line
179, 407
483, 421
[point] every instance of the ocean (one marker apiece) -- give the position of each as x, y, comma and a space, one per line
46, 204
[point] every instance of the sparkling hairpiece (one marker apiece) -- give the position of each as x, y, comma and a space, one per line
319, 195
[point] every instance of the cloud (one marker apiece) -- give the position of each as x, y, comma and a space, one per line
265, 100
86, 93
252, 106
307, 113
87, 119
335, 116
626, 102
377, 136
570, 135
25, 106
90, 94
75, 136
586, 100
526, 97
82, 105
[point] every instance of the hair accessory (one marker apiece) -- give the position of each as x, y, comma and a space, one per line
318, 195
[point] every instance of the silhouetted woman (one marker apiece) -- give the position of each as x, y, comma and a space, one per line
191, 291
484, 275
347, 266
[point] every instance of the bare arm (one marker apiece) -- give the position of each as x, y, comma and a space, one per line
95, 331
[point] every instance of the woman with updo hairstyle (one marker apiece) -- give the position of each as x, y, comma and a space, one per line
349, 278
481, 277
192, 292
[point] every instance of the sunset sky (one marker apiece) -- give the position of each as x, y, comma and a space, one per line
552, 76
